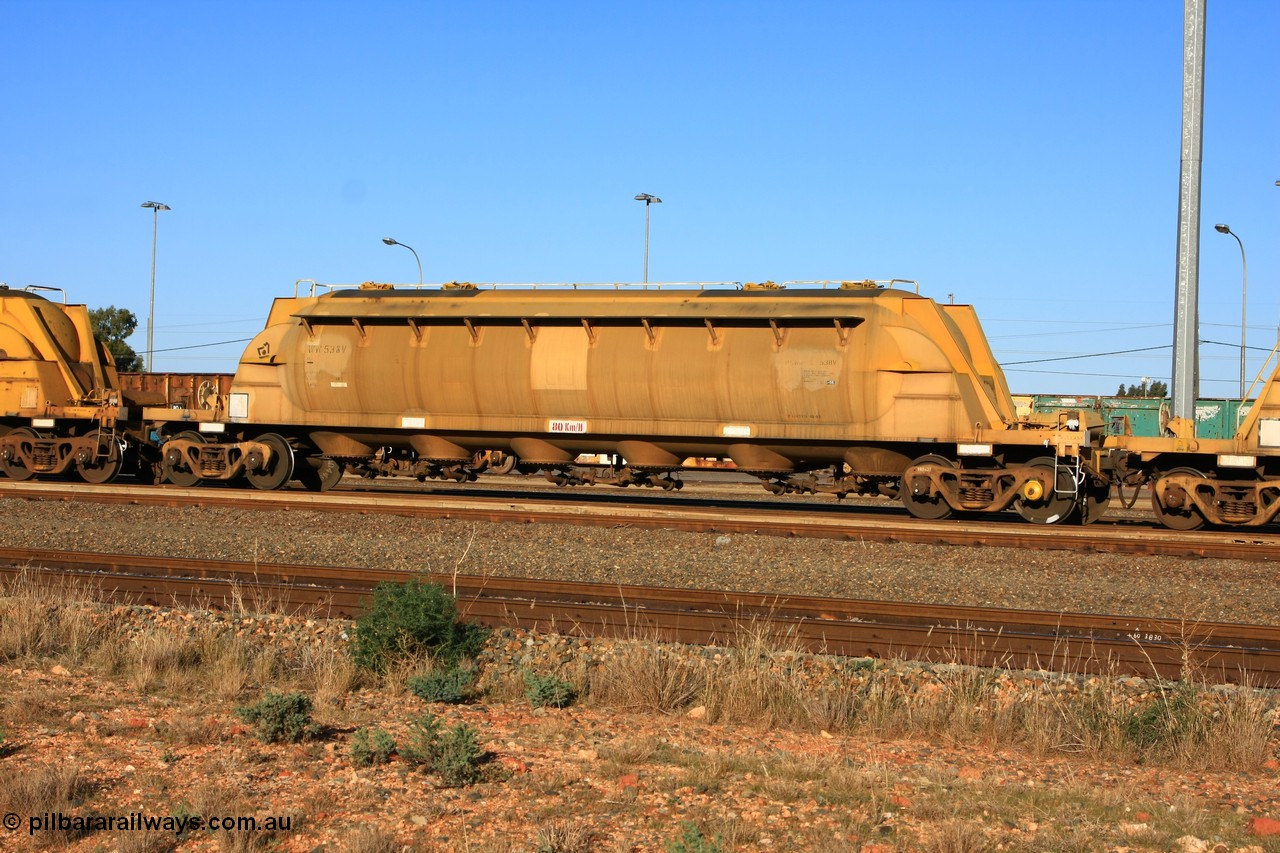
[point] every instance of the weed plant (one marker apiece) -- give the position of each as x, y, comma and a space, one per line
547, 691
422, 744
452, 754
371, 746
458, 756
280, 717
692, 840
410, 619
453, 685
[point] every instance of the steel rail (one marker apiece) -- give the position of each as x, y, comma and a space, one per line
730, 517
984, 636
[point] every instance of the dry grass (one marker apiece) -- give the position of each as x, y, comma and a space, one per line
42, 617
192, 729
328, 673
754, 681
369, 839
47, 620
563, 836
35, 705
158, 658
761, 681
40, 788
645, 676
215, 798
130, 841
395, 680
957, 836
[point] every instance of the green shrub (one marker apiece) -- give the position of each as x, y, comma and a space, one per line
452, 754
412, 618
280, 717
692, 840
547, 690
371, 746
452, 685
422, 744
458, 756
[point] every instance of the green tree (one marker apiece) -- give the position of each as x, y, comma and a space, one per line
1156, 389
112, 325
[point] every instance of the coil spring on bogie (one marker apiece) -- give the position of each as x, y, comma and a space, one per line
983, 496
44, 457
1238, 509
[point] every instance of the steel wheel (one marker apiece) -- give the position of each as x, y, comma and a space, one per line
1184, 517
175, 469
279, 470
320, 474
1048, 506
505, 465
931, 507
13, 468
1097, 499
103, 469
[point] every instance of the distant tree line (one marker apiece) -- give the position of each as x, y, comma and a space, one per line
1155, 389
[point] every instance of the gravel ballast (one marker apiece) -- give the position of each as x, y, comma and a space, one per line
1187, 589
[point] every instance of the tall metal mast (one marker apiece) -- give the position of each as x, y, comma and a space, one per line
1186, 324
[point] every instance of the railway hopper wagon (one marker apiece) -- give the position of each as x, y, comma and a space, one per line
60, 408
842, 388
1194, 479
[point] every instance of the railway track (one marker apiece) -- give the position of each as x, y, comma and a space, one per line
818, 520
1069, 642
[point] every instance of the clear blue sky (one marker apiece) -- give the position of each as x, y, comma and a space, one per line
1022, 156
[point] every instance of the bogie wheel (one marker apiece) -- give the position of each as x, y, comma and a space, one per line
1048, 504
1097, 499
13, 468
1185, 517
177, 474
320, 474
103, 469
505, 465
931, 507
279, 470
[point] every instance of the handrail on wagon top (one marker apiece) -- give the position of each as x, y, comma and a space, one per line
313, 287
32, 288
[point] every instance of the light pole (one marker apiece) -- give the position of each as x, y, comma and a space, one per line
393, 242
648, 200
1244, 297
156, 207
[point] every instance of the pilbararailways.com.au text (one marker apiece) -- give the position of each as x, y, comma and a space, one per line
141, 822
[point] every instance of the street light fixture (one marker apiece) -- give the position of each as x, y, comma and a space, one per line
393, 242
155, 207
648, 200
1244, 297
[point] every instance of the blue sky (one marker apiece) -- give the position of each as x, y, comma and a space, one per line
1023, 156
